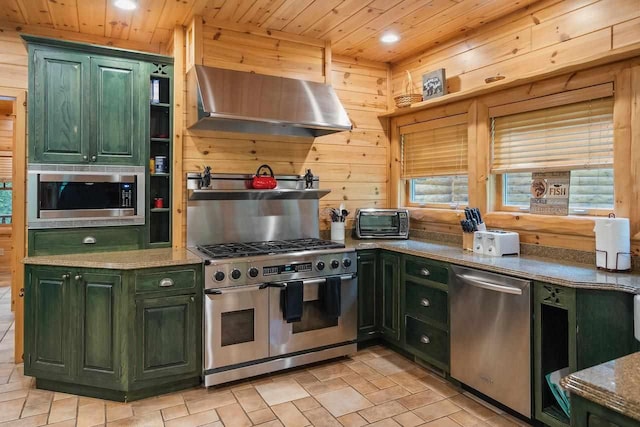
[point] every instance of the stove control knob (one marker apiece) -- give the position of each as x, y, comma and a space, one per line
346, 262
253, 272
219, 276
335, 263
320, 265
235, 274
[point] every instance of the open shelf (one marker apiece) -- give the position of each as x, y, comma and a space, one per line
160, 144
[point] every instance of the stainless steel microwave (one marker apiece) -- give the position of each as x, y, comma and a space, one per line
60, 196
382, 223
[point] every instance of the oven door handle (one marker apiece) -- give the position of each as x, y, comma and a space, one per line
311, 281
235, 290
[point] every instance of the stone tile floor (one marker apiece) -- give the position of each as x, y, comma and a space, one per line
375, 387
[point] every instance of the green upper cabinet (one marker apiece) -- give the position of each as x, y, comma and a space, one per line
116, 112
85, 108
58, 113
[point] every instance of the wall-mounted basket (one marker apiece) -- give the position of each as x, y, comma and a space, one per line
410, 96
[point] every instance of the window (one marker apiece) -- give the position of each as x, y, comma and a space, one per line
434, 162
538, 135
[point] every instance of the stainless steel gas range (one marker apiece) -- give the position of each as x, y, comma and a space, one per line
275, 303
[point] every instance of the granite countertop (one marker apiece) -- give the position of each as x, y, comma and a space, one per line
614, 385
122, 260
559, 272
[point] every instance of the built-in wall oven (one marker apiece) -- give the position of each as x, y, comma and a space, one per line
83, 195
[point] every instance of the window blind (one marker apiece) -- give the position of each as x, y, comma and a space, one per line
435, 151
571, 136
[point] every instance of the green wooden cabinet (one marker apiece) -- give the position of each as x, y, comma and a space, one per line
95, 332
117, 111
425, 310
585, 413
368, 299
390, 296
59, 120
166, 336
48, 322
576, 328
85, 108
84, 240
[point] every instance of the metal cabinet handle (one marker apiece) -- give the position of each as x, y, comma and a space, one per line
94, 158
89, 240
193, 299
425, 339
425, 272
78, 277
65, 276
425, 302
85, 158
166, 282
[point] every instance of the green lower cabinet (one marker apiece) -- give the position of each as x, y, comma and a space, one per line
368, 299
428, 342
89, 332
390, 296
576, 328
48, 307
59, 241
585, 413
166, 336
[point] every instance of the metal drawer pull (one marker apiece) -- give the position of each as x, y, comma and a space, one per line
78, 277
65, 276
425, 339
89, 240
425, 272
425, 302
165, 283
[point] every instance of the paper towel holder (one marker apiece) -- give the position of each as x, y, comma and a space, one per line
606, 261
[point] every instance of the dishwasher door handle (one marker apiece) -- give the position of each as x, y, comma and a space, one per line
479, 283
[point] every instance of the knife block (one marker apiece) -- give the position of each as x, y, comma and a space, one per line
467, 241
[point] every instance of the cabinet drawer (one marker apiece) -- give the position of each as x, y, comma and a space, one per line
425, 302
84, 240
424, 269
165, 280
428, 342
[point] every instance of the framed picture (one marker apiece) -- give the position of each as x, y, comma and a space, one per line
434, 84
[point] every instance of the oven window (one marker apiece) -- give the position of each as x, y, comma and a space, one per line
379, 223
313, 318
237, 327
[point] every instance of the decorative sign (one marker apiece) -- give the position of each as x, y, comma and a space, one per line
550, 193
434, 84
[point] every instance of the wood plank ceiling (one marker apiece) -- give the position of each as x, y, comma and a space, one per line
353, 26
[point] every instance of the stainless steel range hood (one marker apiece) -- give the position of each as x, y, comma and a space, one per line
236, 101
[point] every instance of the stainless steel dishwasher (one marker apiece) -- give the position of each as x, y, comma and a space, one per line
491, 335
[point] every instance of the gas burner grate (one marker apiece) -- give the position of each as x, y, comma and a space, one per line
234, 250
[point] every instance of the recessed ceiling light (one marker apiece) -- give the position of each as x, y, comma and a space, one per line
125, 4
389, 38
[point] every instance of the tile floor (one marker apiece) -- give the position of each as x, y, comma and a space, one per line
375, 387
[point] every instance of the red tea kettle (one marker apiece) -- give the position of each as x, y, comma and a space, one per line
262, 181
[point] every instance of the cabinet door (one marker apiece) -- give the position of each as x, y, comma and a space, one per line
58, 113
167, 337
101, 322
116, 111
368, 310
390, 290
48, 326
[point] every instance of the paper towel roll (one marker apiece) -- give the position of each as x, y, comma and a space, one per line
613, 243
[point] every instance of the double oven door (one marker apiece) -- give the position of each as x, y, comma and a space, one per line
236, 326
315, 329
246, 324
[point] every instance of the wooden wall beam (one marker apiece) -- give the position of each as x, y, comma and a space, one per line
179, 70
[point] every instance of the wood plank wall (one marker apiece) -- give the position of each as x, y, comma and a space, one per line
6, 147
547, 34
353, 165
